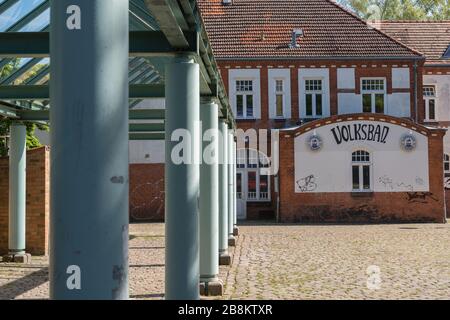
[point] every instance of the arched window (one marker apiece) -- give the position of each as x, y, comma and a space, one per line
361, 176
446, 165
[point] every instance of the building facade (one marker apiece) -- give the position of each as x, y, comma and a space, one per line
311, 63
432, 38
290, 66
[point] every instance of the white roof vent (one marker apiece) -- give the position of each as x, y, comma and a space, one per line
296, 33
227, 2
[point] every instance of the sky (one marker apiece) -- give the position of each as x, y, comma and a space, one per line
20, 9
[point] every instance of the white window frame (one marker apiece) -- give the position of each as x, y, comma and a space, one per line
251, 167
427, 104
243, 75
314, 94
244, 95
360, 165
373, 93
314, 73
275, 75
281, 93
446, 161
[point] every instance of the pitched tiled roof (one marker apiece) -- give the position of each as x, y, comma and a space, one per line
430, 37
262, 29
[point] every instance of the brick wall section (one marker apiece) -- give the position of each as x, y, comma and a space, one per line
37, 201
363, 68
146, 192
376, 207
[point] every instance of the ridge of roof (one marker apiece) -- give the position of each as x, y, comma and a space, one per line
378, 30
413, 21
331, 31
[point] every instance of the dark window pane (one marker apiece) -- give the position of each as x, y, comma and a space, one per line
309, 105
252, 181
432, 110
263, 184
355, 177
240, 105
379, 103
318, 104
239, 182
446, 166
367, 103
249, 106
366, 177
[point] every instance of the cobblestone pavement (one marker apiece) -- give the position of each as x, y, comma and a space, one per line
289, 262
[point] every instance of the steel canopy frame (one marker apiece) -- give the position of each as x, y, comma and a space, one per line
174, 26
162, 34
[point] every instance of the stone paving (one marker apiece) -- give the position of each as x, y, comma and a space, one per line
273, 261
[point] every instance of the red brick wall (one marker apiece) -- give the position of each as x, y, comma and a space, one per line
363, 68
374, 207
37, 202
146, 192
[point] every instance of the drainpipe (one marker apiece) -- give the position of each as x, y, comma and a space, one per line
416, 111
277, 189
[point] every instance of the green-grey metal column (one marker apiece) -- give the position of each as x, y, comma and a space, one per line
182, 178
17, 192
231, 238
209, 199
89, 157
224, 257
235, 227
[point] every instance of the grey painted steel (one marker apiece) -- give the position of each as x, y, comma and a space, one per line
89, 158
17, 188
209, 193
230, 184
182, 180
223, 189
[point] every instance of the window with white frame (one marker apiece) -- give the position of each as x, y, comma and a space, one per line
244, 99
313, 98
373, 92
446, 165
279, 98
254, 186
429, 97
361, 177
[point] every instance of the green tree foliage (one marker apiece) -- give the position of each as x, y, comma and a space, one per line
32, 140
399, 9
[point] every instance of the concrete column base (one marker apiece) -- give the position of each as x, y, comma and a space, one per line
17, 258
224, 259
232, 241
211, 288
235, 231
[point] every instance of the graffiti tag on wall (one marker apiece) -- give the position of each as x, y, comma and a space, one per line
307, 184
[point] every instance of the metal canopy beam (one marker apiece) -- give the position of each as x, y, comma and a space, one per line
142, 43
42, 92
168, 23
147, 136
44, 115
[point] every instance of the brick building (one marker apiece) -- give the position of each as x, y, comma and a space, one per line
305, 67
432, 38
291, 65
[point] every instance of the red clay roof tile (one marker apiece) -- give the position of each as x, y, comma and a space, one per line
253, 29
430, 37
